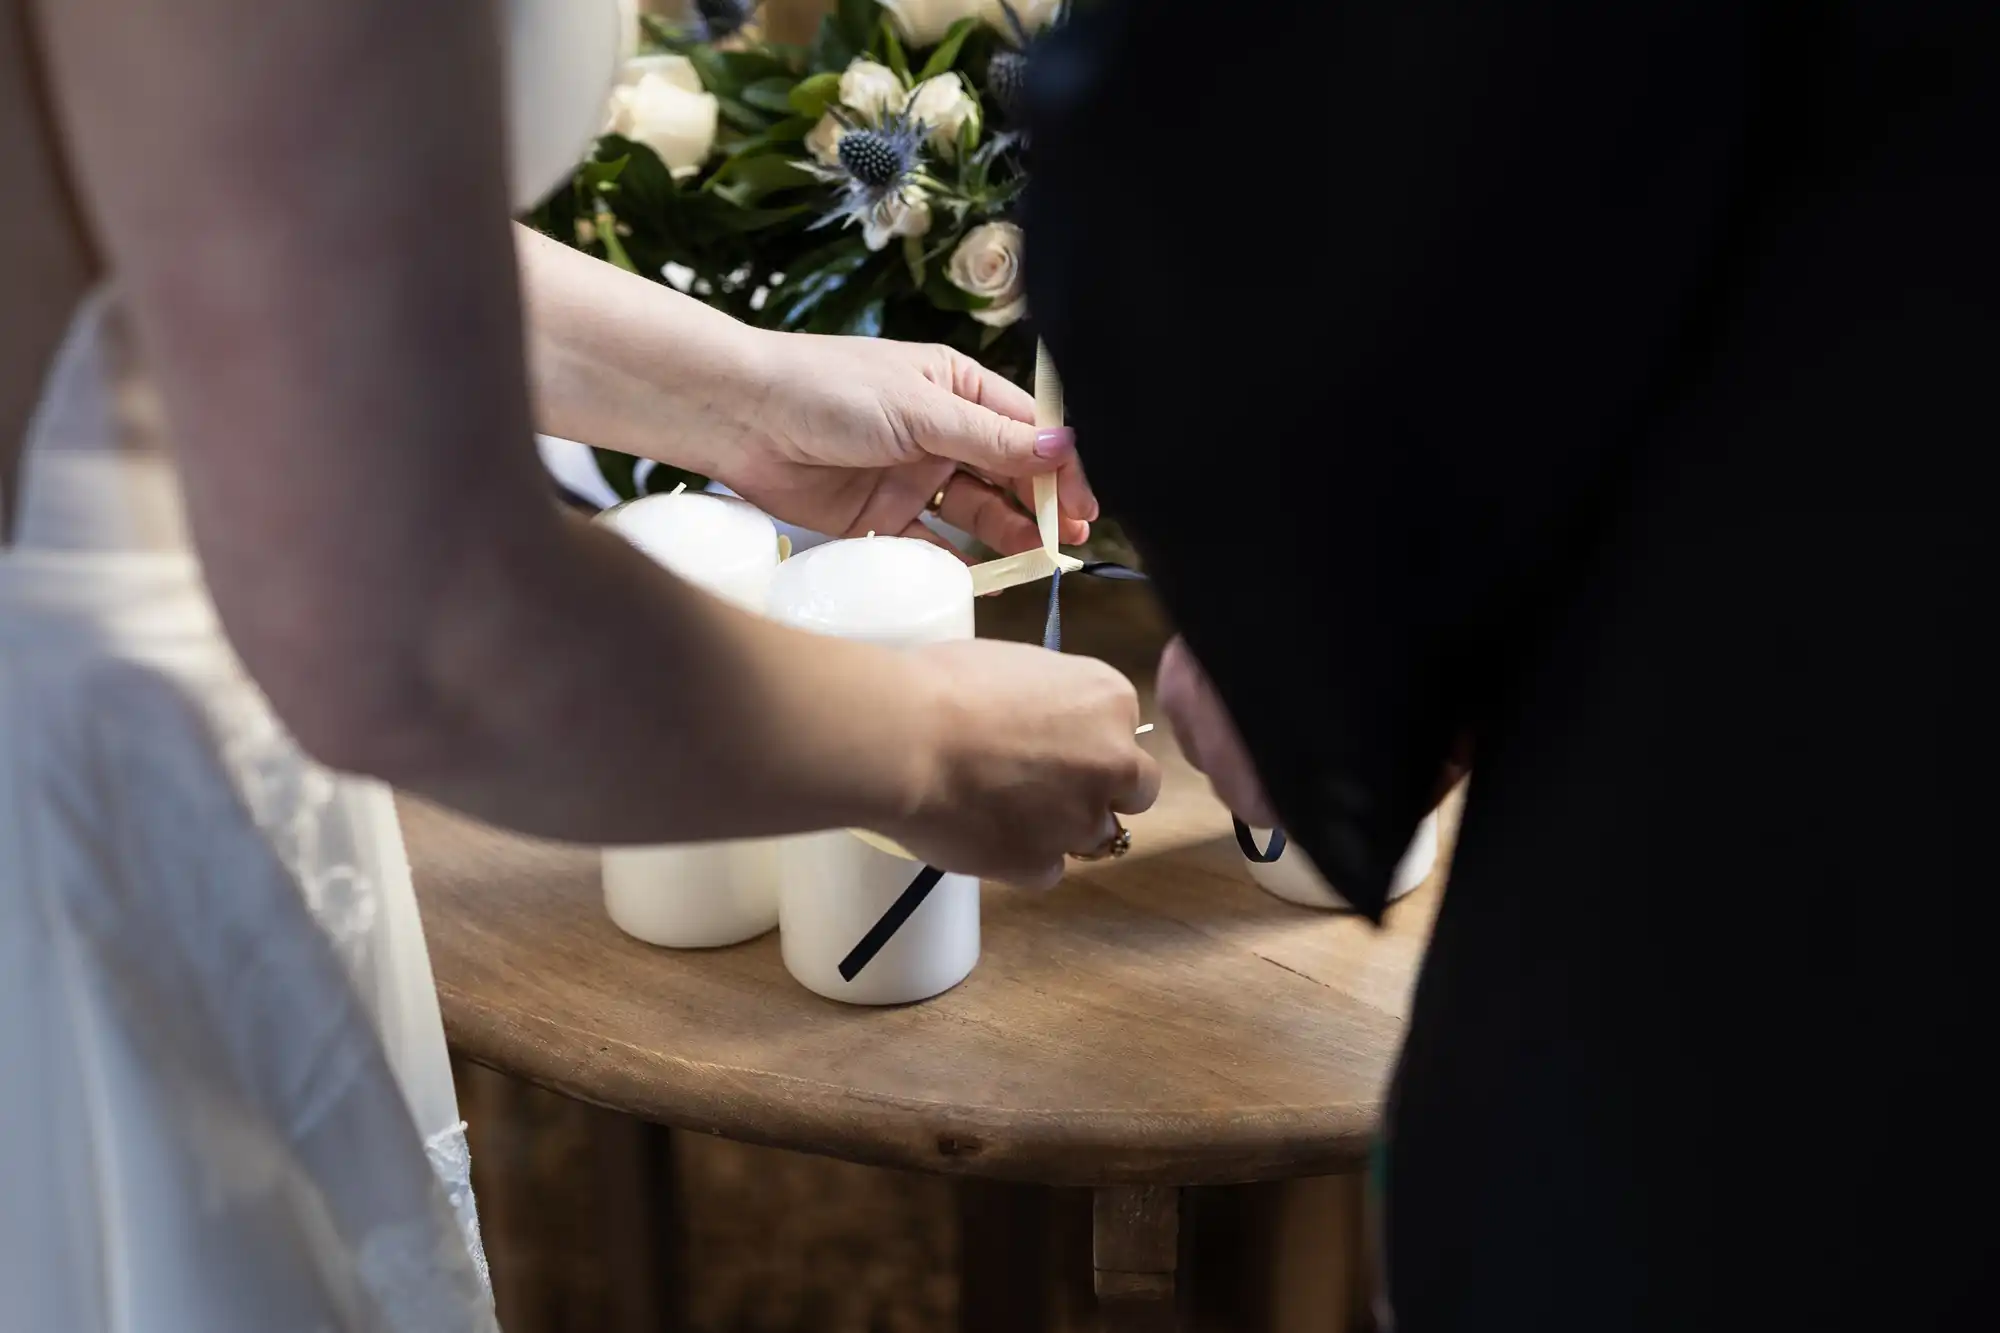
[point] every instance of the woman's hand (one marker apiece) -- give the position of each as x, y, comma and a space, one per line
840, 435
1036, 753
856, 435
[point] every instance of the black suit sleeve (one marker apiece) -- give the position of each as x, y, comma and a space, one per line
1358, 304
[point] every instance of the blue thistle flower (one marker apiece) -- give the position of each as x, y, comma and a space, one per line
877, 171
1007, 81
713, 20
870, 159
1007, 71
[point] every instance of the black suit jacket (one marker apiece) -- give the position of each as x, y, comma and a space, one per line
1617, 385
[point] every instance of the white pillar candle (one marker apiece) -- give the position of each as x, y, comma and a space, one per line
1295, 878
719, 543
832, 887
698, 895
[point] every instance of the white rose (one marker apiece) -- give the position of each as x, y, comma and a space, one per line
660, 103
987, 263
676, 69
943, 106
925, 22
1034, 14
823, 140
868, 89
905, 214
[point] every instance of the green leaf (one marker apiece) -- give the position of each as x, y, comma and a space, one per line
806, 288
779, 139
772, 94
664, 477
645, 186
858, 19
865, 322
940, 292
782, 137
847, 311
747, 67
617, 470
844, 249
789, 54
832, 49
757, 219
892, 51
598, 175
913, 258
614, 248
746, 180
812, 96
716, 75
658, 33
990, 335
948, 49
743, 117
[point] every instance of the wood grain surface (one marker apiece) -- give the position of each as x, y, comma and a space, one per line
1155, 1020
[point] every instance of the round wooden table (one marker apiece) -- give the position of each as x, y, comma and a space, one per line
1154, 1022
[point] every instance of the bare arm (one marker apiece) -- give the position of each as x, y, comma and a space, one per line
44, 266
627, 364
310, 223
842, 435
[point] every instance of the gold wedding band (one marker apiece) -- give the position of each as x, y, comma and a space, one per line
1112, 847
937, 501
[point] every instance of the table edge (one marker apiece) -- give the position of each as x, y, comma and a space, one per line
1079, 1147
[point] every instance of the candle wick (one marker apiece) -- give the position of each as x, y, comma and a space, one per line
871, 532
678, 489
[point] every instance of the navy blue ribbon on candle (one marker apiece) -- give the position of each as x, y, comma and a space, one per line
911, 898
1052, 639
1247, 842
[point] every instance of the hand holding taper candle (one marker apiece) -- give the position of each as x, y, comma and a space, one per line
1011, 790
997, 574
920, 887
1143, 785
1095, 713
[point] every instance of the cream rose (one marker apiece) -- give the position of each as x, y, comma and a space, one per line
925, 22
905, 214
987, 263
660, 103
943, 106
823, 140
868, 89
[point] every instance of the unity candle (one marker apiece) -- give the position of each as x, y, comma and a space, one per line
1291, 875
834, 887
698, 895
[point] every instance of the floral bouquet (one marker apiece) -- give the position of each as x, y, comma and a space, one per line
862, 184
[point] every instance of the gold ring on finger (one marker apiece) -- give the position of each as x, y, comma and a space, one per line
1113, 847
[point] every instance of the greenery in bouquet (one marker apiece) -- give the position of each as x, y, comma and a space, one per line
862, 184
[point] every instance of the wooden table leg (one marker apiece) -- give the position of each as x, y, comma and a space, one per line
1136, 1246
1003, 1262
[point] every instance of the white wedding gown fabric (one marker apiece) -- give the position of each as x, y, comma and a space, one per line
225, 1100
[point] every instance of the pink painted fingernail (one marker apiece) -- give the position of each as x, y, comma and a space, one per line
1056, 443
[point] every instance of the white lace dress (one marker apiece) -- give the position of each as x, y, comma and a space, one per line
225, 1103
